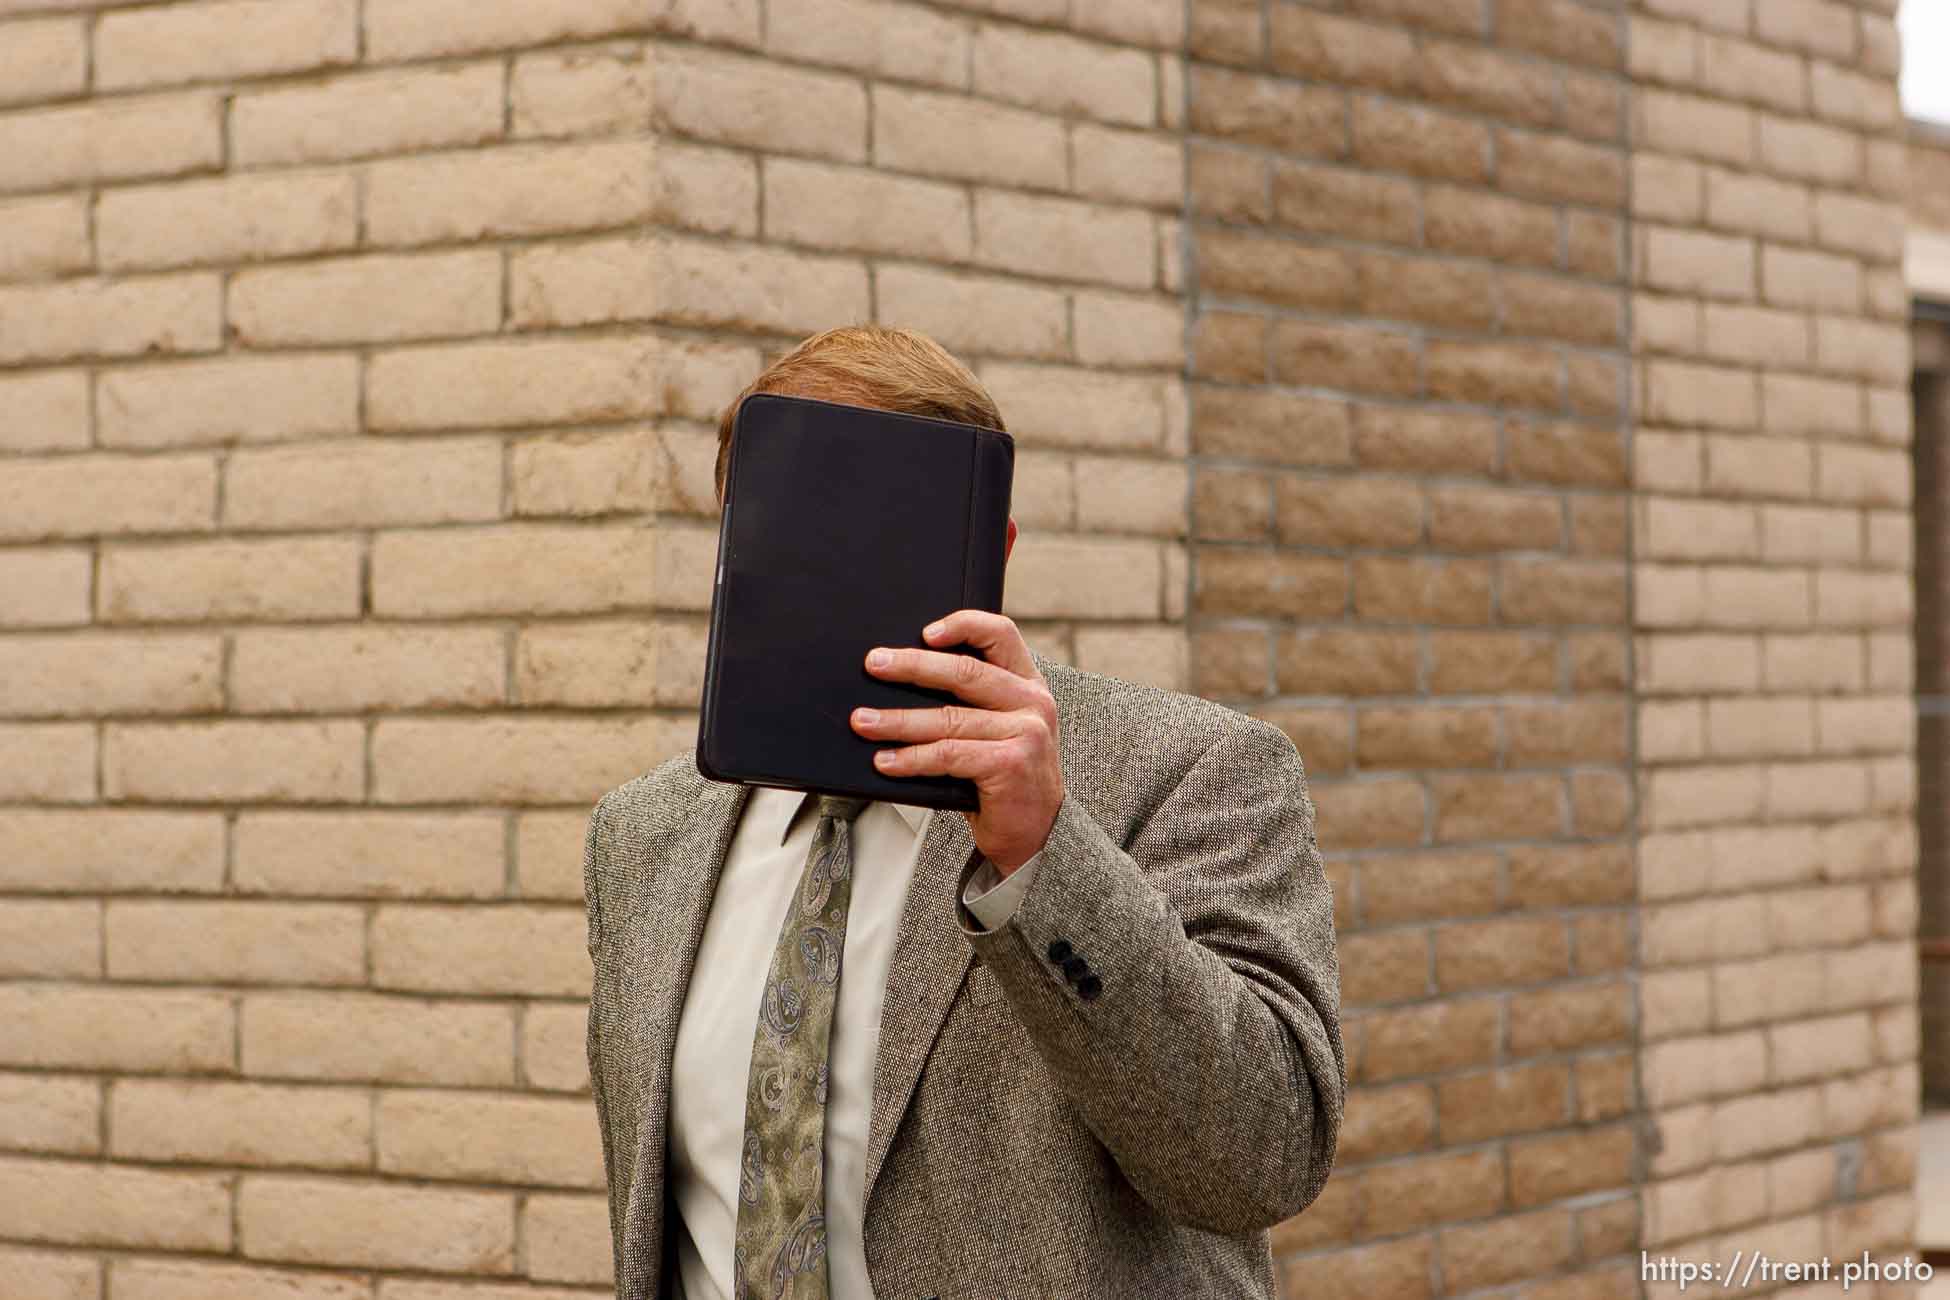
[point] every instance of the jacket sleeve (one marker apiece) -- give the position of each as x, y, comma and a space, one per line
1185, 991
595, 851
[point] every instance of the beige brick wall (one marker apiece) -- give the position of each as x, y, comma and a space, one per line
1772, 604
1506, 397
1409, 448
360, 365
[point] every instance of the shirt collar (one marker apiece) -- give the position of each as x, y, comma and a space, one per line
797, 800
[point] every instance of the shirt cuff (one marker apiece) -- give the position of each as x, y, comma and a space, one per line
992, 898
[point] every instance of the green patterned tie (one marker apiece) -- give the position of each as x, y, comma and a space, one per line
781, 1243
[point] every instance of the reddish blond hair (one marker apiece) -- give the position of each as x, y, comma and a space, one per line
891, 368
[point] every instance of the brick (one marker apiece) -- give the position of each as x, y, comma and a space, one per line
358, 484
553, 1047
1756, 336
1429, 886
1056, 406
417, 29
375, 1225
50, 939
1477, 519
1561, 29
1143, 167
1678, 664
402, 749
1580, 731
124, 138
498, 384
1683, 394
1405, 438
370, 1037
1810, 151
1435, 292
1435, 1038
886, 40
80, 318
1667, 189
48, 587
1482, 80
1692, 126
1113, 578
236, 1123
161, 1279
969, 313
1420, 589
361, 115
509, 950
1059, 73
1495, 374
1661, 51
1339, 51
842, 208
45, 1275
1231, 505
1063, 237
1867, 349
1332, 201
594, 90
1816, 26
1693, 262
1803, 278
246, 943
1461, 17
1347, 357
368, 299
1119, 330
1279, 115
1332, 661
1497, 807
190, 223
1256, 583
563, 1238
1549, 308
1278, 270
1230, 346
1226, 31
1417, 141
1394, 1268
283, 578
1415, 1193
91, 674
1844, 96
1472, 663
122, 1029
598, 665
1594, 106
48, 411
1230, 183
1844, 599
243, 399
47, 763
1874, 476
1347, 512
1866, 227
90, 1204
1425, 737
1505, 1249
225, 40
1566, 454
368, 855
734, 100
1496, 1103
113, 850
948, 135
45, 59
529, 1140
235, 759
1739, 69
1132, 496
43, 237
1551, 1168
1501, 954
53, 497
523, 189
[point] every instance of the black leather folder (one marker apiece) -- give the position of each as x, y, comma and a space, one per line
844, 528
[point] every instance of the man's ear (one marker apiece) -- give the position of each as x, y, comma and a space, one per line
1010, 543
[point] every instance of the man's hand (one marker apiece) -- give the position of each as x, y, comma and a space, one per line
1005, 743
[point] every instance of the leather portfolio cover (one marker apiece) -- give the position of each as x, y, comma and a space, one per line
844, 528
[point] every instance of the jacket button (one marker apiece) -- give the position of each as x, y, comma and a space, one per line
1076, 966
1059, 950
1089, 987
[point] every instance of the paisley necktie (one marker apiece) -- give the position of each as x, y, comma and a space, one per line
781, 1238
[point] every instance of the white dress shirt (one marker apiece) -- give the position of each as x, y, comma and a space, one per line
720, 1017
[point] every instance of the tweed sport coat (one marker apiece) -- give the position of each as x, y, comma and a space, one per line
1026, 1140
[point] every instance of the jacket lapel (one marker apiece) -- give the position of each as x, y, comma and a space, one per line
930, 958
673, 925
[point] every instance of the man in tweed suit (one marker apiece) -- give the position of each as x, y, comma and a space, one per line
1083, 1042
